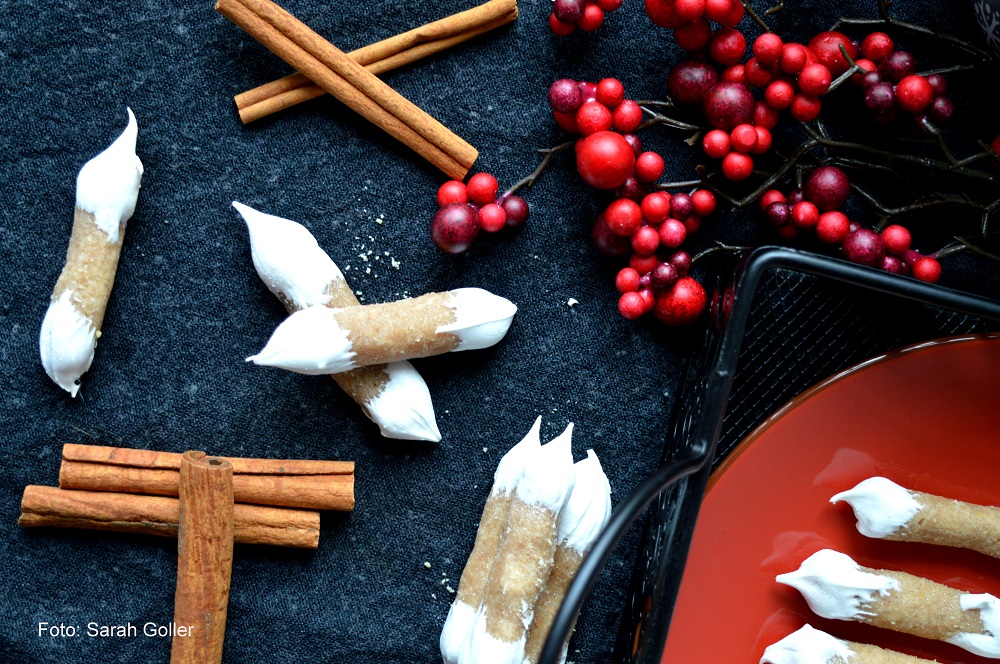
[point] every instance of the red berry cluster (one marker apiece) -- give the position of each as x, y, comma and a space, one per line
465, 209
582, 107
588, 15
891, 84
817, 206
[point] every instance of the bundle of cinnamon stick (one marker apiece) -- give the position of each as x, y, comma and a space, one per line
108, 488
381, 57
344, 78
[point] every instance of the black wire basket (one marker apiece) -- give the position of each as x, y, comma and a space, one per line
782, 321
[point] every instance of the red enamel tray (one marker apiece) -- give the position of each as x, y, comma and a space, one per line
927, 417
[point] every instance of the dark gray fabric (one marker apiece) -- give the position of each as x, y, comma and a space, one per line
188, 308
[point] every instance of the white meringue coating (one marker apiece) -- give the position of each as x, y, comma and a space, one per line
108, 185
308, 342
403, 410
881, 506
481, 318
835, 587
588, 508
511, 466
66, 342
548, 474
807, 646
986, 644
458, 625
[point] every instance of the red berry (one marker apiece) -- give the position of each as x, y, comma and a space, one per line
592, 18
492, 218
897, 239
693, 36
682, 261
559, 28
567, 121
627, 280
455, 227
631, 306
743, 138
592, 118
867, 67
608, 243
756, 75
727, 46
827, 187
771, 196
623, 217
777, 214
826, 47
568, 11
692, 224
635, 142
672, 234
690, 81
452, 191
631, 189
765, 116
793, 58
627, 117
646, 240
737, 166
735, 15
610, 92
814, 80
609, 5
779, 94
927, 269
681, 206
662, 14
805, 109
605, 160
682, 304
716, 144
516, 209
735, 73
588, 91
763, 140
649, 167
564, 96
876, 46
728, 104
648, 299
704, 202
938, 84
718, 10
663, 277
833, 227
805, 215
643, 263
655, 207
914, 93
483, 188
864, 246
897, 65
689, 10
767, 48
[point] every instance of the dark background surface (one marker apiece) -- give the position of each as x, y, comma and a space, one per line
188, 307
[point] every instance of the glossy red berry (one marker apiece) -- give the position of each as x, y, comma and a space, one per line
897, 65
763, 140
805, 215
827, 187
765, 116
663, 277
455, 227
914, 94
767, 48
704, 202
735, 73
608, 243
743, 138
646, 240
778, 214
681, 206
655, 207
737, 166
649, 167
864, 246
897, 239
672, 233
718, 10
643, 263
727, 46
771, 196
756, 74
826, 47
564, 96
833, 227
793, 58
593, 117
568, 11
716, 144
567, 121
605, 160
559, 28
689, 10
623, 217
452, 191
609, 5
876, 46
610, 92
927, 269
483, 188
682, 261
814, 80
592, 18
728, 104
735, 15
938, 84
627, 117
492, 218
517, 210
683, 304
627, 280
805, 108
631, 306
693, 36
779, 94
662, 14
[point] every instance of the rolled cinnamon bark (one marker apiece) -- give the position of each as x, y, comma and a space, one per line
46, 506
319, 485
204, 559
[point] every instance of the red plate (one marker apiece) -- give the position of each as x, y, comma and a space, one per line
926, 417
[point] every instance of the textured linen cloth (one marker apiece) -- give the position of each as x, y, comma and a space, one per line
169, 373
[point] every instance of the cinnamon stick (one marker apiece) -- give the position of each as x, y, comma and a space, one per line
318, 485
342, 77
46, 506
381, 57
204, 559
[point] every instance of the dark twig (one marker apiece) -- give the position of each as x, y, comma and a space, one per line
755, 16
931, 129
684, 184
776, 8
662, 103
963, 244
719, 247
947, 70
851, 71
549, 153
658, 118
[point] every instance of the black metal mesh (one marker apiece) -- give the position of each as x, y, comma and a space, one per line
801, 329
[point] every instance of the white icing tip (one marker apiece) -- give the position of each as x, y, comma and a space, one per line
483, 648
588, 508
66, 343
986, 644
458, 626
108, 185
548, 474
308, 342
403, 410
807, 646
481, 318
288, 258
511, 466
835, 587
881, 506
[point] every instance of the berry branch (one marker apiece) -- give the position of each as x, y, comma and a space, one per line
529, 181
